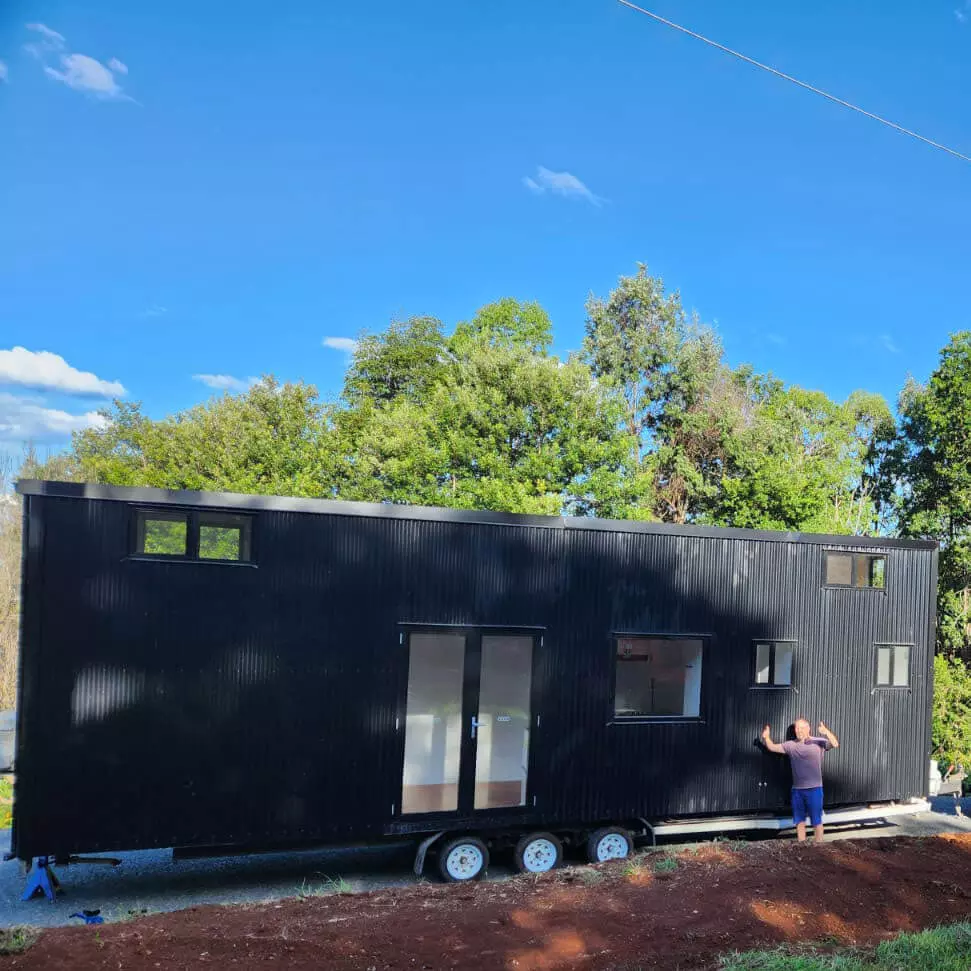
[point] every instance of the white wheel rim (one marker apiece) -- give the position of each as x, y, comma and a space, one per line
464, 862
613, 846
539, 856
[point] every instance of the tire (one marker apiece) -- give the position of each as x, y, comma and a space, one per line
463, 858
538, 853
609, 843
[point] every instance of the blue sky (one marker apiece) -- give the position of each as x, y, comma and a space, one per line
215, 188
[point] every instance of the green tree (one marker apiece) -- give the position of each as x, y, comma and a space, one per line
499, 424
802, 461
404, 360
951, 718
667, 372
275, 439
932, 475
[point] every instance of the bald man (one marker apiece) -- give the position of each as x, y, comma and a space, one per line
806, 760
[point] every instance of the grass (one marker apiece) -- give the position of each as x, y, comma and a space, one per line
6, 802
16, 940
665, 864
941, 949
325, 888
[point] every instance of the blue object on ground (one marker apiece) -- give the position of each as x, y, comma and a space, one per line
43, 878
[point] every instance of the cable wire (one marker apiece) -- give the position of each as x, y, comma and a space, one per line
796, 81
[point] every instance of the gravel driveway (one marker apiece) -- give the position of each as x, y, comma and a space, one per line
150, 880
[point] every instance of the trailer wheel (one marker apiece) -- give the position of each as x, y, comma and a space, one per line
463, 858
538, 853
609, 843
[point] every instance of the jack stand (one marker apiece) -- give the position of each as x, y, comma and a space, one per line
42, 877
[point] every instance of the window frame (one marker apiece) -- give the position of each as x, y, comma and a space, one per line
195, 519
226, 520
877, 686
614, 719
144, 515
771, 685
856, 556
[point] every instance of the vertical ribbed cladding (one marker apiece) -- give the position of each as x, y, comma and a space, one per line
203, 702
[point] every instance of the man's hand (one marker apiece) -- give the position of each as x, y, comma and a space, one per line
828, 735
769, 744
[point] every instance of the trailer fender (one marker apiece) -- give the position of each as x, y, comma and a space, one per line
423, 847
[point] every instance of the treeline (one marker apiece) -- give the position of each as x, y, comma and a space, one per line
647, 420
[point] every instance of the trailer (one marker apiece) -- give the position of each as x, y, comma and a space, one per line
204, 670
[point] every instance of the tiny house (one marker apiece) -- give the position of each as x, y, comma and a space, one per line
213, 670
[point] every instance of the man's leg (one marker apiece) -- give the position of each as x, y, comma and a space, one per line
814, 797
799, 813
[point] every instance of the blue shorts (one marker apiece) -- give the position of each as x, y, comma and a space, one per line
807, 802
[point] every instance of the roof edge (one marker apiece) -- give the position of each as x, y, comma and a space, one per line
338, 507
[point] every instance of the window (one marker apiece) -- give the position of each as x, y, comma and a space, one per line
893, 665
162, 533
658, 677
224, 537
855, 570
221, 537
773, 664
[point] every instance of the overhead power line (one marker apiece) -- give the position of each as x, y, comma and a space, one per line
801, 84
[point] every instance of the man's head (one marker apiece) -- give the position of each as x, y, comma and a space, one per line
803, 729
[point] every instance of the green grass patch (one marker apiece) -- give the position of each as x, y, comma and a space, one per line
16, 940
941, 949
325, 888
6, 802
665, 864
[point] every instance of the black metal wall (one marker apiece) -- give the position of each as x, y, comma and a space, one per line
177, 703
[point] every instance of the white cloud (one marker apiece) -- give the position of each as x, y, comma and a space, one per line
776, 339
963, 13
42, 369
561, 184
154, 311
52, 39
78, 71
23, 418
887, 341
225, 382
346, 344
83, 73
3, 71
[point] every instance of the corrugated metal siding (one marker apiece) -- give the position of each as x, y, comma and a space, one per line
206, 703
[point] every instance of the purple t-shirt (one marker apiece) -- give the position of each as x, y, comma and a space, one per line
806, 759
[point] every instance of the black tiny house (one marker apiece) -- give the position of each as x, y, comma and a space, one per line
204, 669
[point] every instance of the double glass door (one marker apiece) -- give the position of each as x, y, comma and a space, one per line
467, 721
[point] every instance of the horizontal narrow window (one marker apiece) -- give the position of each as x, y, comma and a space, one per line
855, 570
192, 535
161, 533
893, 665
657, 677
223, 537
773, 664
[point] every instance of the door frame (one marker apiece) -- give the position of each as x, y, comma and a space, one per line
471, 683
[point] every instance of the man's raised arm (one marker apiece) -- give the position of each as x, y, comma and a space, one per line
828, 735
769, 744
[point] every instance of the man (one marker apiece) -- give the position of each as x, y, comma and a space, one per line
806, 760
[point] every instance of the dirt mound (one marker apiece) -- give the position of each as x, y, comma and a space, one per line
651, 913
